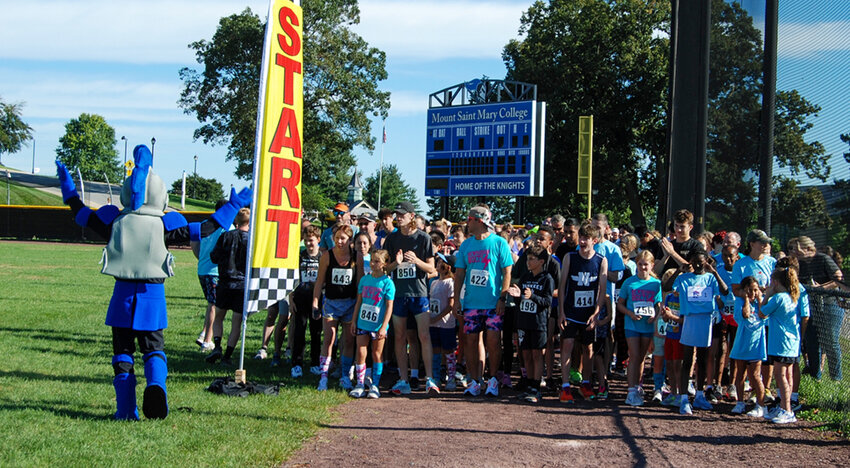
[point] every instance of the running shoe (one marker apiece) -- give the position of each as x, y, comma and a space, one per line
732, 393
752, 399
692, 390
671, 400
739, 408
685, 408
207, 347
632, 399
214, 356
747, 387
701, 403
602, 393
587, 391
431, 387
784, 417
345, 383
713, 395
357, 392
414, 384
492, 387
316, 370
757, 412
567, 395
275, 360
473, 389
575, 377
200, 340
374, 392
505, 380
531, 397
296, 372
772, 413
323, 384
400, 388
261, 354
768, 397
451, 385
657, 397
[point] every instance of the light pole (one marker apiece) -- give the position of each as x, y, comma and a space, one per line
153, 143
124, 168
196, 165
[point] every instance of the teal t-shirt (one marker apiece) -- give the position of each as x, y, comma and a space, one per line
484, 261
641, 297
375, 293
783, 326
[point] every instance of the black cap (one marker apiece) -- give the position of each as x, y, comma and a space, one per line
404, 208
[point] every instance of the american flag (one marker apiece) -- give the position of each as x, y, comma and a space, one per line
385, 133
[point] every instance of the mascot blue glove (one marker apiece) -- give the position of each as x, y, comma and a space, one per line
69, 190
225, 215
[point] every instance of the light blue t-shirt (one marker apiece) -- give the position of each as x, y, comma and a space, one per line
205, 265
484, 261
750, 343
760, 270
641, 297
375, 293
783, 326
696, 293
803, 303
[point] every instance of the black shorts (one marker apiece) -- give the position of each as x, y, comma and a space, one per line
578, 332
531, 339
229, 299
782, 360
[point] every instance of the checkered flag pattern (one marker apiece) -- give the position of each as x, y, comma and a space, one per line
267, 286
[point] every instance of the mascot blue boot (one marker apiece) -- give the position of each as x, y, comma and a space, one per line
155, 405
125, 389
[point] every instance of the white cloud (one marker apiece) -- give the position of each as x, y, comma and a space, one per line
805, 39
404, 103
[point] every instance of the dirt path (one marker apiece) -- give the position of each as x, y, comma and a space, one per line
452, 430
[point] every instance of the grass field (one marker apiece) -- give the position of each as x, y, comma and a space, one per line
56, 395
28, 196
191, 204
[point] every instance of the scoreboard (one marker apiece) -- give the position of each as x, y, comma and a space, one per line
485, 150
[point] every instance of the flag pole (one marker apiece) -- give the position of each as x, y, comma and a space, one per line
381, 171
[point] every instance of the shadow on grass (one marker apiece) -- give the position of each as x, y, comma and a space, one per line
106, 379
57, 335
59, 408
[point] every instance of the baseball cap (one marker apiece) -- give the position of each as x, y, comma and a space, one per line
367, 216
482, 214
341, 207
404, 207
447, 259
757, 235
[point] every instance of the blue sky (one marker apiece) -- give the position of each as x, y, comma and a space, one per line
120, 60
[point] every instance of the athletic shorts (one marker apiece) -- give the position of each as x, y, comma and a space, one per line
208, 285
229, 299
443, 338
673, 350
658, 343
478, 320
782, 360
637, 334
407, 306
578, 332
531, 339
599, 346
339, 309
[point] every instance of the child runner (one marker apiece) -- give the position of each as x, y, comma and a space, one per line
443, 322
580, 293
375, 294
783, 328
300, 299
534, 296
672, 347
697, 290
337, 276
640, 303
749, 348
726, 263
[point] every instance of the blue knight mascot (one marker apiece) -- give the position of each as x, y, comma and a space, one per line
137, 257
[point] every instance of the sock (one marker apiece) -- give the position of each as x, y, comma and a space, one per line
217, 342
360, 371
451, 365
437, 366
324, 364
368, 372
377, 370
658, 380
346, 363
414, 373
229, 352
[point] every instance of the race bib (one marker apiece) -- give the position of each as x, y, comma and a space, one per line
480, 278
728, 309
644, 309
528, 306
309, 275
662, 327
699, 294
405, 270
369, 313
341, 276
434, 307
584, 299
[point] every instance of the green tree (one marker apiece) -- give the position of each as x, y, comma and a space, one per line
393, 189
341, 76
799, 209
199, 188
14, 132
89, 144
600, 58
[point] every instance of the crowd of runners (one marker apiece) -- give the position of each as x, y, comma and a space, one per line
551, 309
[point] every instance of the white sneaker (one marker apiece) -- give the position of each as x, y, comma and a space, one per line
739, 408
686, 408
323, 384
757, 412
431, 387
374, 392
784, 417
492, 387
297, 372
732, 392
657, 397
261, 354
207, 347
345, 383
358, 391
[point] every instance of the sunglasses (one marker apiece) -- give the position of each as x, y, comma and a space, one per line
338, 213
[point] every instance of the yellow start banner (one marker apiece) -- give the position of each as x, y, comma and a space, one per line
277, 203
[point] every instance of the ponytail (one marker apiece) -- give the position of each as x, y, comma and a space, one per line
787, 278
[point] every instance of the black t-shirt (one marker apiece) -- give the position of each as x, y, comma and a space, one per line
563, 249
533, 313
818, 268
683, 249
654, 246
308, 266
409, 280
